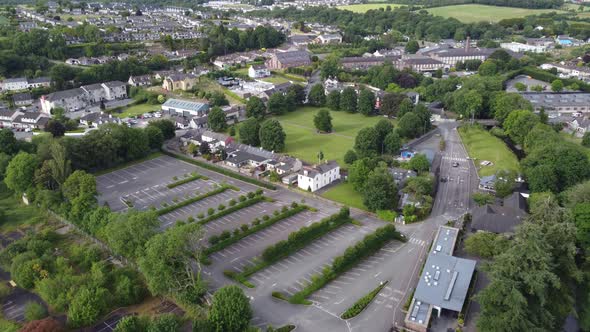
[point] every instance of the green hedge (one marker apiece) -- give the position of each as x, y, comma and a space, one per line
244, 204
221, 170
353, 255
256, 228
186, 180
305, 235
195, 199
362, 303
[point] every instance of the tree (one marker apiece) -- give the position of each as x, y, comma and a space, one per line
255, 108
4, 161
164, 323
366, 102
504, 103
20, 172
333, 100
272, 136
59, 164
366, 142
405, 106
348, 100
383, 128
34, 311
358, 173
155, 137
518, 124
216, 120
317, 96
390, 103
166, 126
392, 143
8, 143
276, 104
218, 98
409, 126
486, 245
380, 191
298, 93
230, 310
419, 163
467, 103
520, 87
129, 324
204, 148
586, 139
350, 157
128, 232
412, 47
167, 261
488, 68
323, 121
249, 132
557, 86
87, 305
56, 128
329, 68
79, 183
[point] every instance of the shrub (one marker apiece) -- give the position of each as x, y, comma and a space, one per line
242, 198
236, 231
386, 215
265, 217
256, 222
276, 212
175, 178
294, 204
244, 228
34, 311
362, 303
221, 207
232, 202
259, 192
190, 219
213, 239
210, 211
165, 204
251, 195
284, 208
200, 215
224, 235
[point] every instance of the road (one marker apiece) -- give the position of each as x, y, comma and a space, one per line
399, 263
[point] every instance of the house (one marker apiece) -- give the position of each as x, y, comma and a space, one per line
15, 84
334, 38
562, 102
319, 176
70, 100
302, 40
142, 80
488, 183
366, 62
443, 284
568, 71
502, 218
258, 71
22, 99
23, 120
185, 108
419, 63
179, 81
39, 82
97, 119
282, 60
401, 175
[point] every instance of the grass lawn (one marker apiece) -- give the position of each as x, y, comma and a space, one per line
275, 79
345, 194
363, 8
13, 212
474, 13
207, 84
137, 110
4, 20
304, 142
482, 145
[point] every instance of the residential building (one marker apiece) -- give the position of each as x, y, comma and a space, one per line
97, 119
258, 71
562, 103
402, 175
520, 47
333, 38
23, 120
444, 283
15, 84
319, 176
568, 70
362, 63
282, 60
419, 63
185, 108
22, 99
500, 218
76, 99
179, 81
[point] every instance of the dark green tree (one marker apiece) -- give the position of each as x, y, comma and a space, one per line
230, 310
348, 100
272, 136
216, 120
249, 132
323, 121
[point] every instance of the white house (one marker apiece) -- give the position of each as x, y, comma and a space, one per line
258, 71
317, 177
329, 39
519, 47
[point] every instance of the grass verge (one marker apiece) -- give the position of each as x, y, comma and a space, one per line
239, 206
195, 199
362, 303
221, 170
186, 180
482, 145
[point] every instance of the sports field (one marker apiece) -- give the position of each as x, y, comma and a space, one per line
304, 142
363, 8
475, 13
482, 145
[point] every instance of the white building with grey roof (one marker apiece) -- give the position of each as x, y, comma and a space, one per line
318, 176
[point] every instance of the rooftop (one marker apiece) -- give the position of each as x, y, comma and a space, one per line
180, 104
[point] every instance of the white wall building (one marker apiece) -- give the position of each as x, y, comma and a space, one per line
315, 178
258, 71
519, 47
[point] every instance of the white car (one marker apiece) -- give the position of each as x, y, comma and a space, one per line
157, 115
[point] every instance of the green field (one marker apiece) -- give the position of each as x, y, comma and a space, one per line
4, 20
304, 142
475, 13
137, 110
363, 8
345, 194
275, 79
14, 213
482, 145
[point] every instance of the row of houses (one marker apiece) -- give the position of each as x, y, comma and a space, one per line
23, 120
23, 83
79, 98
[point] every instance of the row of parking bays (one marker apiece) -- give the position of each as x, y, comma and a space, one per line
145, 171
14, 311
158, 194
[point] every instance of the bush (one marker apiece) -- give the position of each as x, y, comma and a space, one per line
386, 215
284, 209
34, 311
190, 219
265, 217
213, 239
242, 198
232, 202
200, 215
187, 179
244, 228
236, 232
362, 303
251, 195
276, 212
195, 199
221, 207
259, 192
224, 235
294, 204
210, 211
256, 222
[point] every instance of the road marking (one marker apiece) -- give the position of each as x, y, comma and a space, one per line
377, 274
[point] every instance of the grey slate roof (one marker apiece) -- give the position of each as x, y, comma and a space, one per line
65, 94
500, 218
319, 169
292, 57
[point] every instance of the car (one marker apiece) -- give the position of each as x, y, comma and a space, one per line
444, 179
158, 115
455, 164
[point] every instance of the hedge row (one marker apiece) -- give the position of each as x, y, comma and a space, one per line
362, 303
369, 245
239, 206
221, 170
237, 236
305, 235
186, 180
195, 199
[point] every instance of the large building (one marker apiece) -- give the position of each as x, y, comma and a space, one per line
179, 81
444, 282
22, 83
319, 176
562, 103
185, 108
282, 60
519, 47
79, 98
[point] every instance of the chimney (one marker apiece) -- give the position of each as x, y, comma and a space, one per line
467, 44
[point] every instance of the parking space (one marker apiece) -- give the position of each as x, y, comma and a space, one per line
13, 306
157, 195
109, 324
